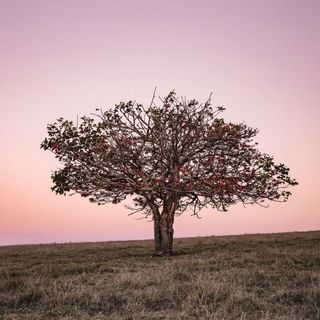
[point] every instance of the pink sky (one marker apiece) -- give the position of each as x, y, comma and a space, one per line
65, 58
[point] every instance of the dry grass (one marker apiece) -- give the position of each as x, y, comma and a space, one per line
237, 277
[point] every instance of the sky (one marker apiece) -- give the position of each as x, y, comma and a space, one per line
66, 58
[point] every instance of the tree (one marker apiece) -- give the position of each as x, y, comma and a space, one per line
171, 157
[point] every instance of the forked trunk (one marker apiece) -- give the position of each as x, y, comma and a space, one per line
163, 229
163, 236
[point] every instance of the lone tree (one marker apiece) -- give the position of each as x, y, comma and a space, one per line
170, 157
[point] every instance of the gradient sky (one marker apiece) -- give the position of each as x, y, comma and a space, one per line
65, 58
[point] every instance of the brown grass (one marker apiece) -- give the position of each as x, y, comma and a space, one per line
273, 276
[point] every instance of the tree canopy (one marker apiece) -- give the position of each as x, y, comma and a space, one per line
171, 156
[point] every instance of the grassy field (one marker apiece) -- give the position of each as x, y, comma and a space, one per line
274, 276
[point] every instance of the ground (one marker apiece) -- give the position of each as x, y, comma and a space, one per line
274, 276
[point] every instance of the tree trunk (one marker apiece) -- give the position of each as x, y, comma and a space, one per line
170, 232
163, 228
157, 236
167, 234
